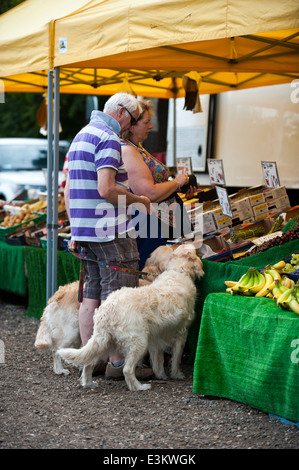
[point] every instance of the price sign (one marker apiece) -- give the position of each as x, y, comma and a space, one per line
184, 165
216, 171
270, 174
224, 201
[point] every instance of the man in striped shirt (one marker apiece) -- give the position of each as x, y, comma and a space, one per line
97, 182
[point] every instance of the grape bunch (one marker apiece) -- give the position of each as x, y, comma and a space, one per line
285, 237
293, 264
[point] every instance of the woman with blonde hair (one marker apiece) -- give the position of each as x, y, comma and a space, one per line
149, 177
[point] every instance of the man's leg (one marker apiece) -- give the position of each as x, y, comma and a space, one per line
86, 313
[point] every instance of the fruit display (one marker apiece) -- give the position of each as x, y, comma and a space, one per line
16, 219
41, 205
36, 206
293, 264
276, 241
270, 283
23, 217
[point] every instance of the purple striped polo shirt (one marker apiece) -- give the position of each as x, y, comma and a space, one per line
96, 146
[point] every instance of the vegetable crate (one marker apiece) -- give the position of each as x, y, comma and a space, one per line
7, 230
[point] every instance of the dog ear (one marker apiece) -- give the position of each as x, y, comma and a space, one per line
197, 263
199, 268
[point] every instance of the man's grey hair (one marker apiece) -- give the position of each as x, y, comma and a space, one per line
123, 99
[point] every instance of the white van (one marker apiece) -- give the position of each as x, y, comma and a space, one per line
22, 161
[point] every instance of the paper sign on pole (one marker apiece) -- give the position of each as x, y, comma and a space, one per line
184, 165
270, 174
216, 171
224, 201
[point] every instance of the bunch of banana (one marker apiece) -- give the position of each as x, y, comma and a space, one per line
278, 290
279, 266
36, 206
260, 284
289, 300
249, 284
268, 283
270, 276
287, 282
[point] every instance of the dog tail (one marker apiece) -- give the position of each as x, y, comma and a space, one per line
86, 355
43, 338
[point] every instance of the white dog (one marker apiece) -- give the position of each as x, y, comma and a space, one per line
59, 325
156, 263
148, 318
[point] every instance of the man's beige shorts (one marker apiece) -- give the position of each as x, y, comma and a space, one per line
101, 281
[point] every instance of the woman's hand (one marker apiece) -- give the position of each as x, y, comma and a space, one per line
181, 179
191, 191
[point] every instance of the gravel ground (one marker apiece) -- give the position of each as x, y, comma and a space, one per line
40, 410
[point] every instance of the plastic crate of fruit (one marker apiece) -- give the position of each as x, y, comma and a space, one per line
10, 224
291, 268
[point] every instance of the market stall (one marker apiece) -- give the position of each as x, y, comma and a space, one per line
247, 348
248, 351
225, 49
210, 38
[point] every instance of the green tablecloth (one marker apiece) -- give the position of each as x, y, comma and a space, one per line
248, 351
12, 269
17, 260
68, 267
216, 273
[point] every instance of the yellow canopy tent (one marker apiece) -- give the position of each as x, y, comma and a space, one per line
95, 46
99, 45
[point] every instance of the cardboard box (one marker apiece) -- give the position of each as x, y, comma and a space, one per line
193, 209
191, 204
275, 193
250, 220
217, 243
292, 213
256, 199
260, 210
218, 214
278, 205
241, 204
242, 209
204, 223
223, 222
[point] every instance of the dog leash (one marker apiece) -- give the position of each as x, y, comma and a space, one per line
83, 257
117, 268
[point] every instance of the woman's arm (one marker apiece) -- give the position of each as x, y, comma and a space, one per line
109, 190
141, 180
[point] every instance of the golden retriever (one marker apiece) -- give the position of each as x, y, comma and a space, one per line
149, 318
59, 325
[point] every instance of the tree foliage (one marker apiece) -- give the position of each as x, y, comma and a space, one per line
6, 5
18, 113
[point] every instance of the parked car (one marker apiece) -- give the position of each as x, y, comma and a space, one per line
22, 161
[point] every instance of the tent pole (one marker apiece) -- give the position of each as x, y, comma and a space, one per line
55, 177
49, 182
174, 131
175, 91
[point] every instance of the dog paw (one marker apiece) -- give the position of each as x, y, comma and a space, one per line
91, 385
145, 387
161, 377
62, 372
139, 387
178, 376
